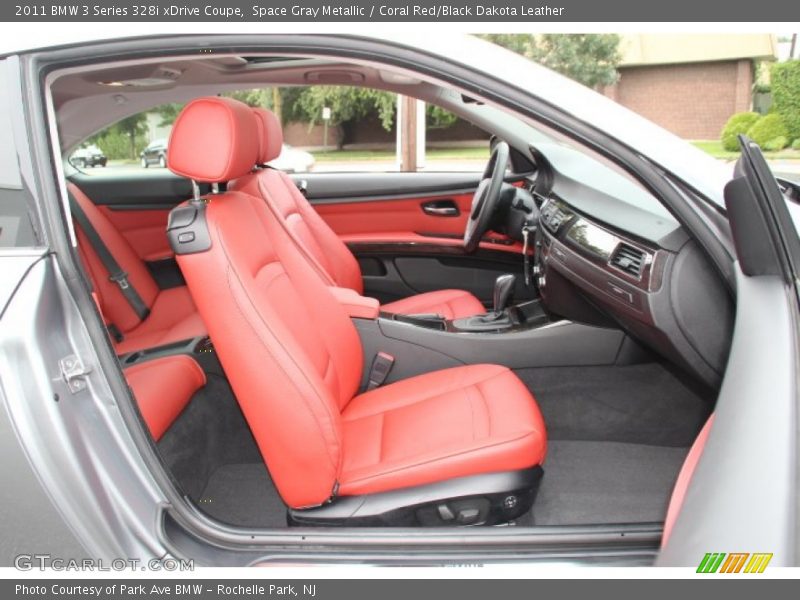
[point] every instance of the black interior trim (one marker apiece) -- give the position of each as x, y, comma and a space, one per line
148, 190
336, 188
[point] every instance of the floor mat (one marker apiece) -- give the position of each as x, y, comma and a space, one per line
584, 483
605, 482
243, 494
637, 404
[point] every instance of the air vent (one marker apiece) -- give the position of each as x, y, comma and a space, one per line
629, 259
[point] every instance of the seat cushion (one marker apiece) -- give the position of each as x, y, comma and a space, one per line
451, 304
452, 423
173, 317
163, 387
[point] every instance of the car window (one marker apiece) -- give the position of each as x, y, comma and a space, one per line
326, 129
16, 225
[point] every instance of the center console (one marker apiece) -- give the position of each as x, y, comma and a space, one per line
517, 336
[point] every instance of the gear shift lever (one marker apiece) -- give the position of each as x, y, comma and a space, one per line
503, 291
498, 319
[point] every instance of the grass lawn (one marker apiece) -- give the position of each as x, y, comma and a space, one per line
431, 154
715, 149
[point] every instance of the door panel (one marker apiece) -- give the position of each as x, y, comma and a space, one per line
406, 216
406, 231
394, 271
138, 204
145, 230
322, 188
762, 364
370, 208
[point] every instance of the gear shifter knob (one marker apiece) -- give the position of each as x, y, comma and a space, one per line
503, 291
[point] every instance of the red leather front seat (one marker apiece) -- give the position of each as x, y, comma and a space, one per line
329, 256
173, 316
294, 357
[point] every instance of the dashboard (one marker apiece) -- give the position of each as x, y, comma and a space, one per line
612, 262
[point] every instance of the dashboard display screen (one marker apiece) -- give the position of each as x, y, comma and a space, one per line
592, 238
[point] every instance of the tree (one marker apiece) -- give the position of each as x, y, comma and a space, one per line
254, 97
124, 139
785, 84
168, 113
437, 117
347, 104
261, 97
516, 42
588, 58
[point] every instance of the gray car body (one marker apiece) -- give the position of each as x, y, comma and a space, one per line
88, 482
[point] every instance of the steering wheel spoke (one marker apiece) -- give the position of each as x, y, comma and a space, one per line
485, 200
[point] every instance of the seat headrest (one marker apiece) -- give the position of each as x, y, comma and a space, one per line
270, 135
213, 140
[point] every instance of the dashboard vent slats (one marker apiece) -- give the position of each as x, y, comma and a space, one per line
629, 259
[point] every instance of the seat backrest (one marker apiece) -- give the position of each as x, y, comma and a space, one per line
114, 305
329, 256
291, 353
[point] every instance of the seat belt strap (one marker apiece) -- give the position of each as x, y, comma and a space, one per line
116, 274
379, 371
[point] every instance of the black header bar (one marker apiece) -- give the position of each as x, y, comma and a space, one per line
467, 11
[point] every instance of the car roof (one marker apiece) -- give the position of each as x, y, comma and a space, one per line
697, 168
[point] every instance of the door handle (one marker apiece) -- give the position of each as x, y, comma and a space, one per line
441, 208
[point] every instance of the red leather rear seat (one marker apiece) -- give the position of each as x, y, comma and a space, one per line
173, 316
163, 387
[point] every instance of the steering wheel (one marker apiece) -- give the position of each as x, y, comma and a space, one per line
484, 202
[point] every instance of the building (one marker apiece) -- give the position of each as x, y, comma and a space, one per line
690, 84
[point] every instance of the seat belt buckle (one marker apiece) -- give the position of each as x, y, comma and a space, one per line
121, 279
379, 371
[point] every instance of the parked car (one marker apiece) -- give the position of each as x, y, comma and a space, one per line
592, 342
88, 156
293, 160
155, 154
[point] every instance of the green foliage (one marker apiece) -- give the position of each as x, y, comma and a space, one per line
347, 103
738, 124
591, 59
767, 129
775, 144
437, 117
168, 113
257, 97
796, 144
516, 42
123, 140
588, 58
785, 85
